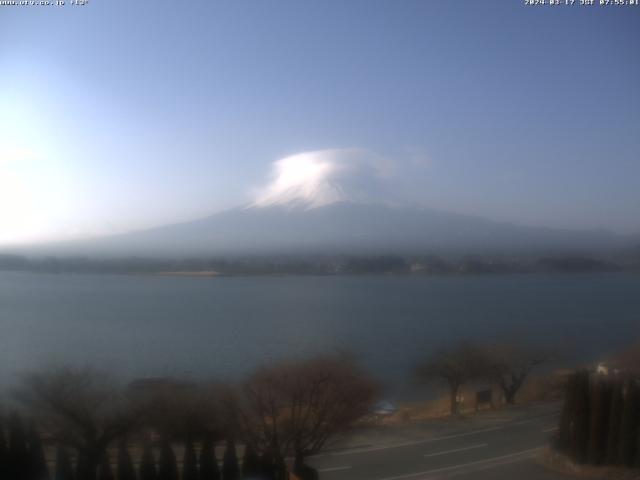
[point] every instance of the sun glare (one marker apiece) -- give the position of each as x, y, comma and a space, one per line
34, 186
32, 197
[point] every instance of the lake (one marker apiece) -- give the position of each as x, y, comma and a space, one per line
224, 326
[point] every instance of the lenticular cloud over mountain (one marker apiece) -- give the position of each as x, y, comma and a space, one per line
323, 177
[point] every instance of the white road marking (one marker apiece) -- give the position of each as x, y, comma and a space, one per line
333, 469
355, 451
499, 461
550, 429
480, 445
408, 444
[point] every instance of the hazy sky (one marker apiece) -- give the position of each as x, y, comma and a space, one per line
125, 114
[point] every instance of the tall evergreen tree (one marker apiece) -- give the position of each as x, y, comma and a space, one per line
38, 469
208, 462
637, 460
629, 425
267, 466
63, 470
168, 468
104, 469
251, 466
580, 425
125, 469
567, 414
189, 462
148, 463
615, 418
4, 453
18, 451
596, 450
230, 467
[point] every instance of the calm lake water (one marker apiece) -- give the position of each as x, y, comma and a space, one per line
145, 325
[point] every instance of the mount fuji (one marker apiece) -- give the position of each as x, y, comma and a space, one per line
337, 202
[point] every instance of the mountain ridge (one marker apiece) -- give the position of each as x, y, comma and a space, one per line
342, 227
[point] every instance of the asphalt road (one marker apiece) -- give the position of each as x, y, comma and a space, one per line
493, 446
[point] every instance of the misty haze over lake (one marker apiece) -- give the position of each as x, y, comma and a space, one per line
223, 327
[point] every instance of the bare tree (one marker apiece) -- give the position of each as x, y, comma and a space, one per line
454, 366
295, 408
509, 365
80, 408
180, 410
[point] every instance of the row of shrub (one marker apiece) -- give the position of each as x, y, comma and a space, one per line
600, 420
22, 457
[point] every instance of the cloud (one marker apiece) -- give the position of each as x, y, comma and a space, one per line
317, 178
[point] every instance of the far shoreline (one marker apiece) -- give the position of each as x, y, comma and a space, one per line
216, 274
194, 273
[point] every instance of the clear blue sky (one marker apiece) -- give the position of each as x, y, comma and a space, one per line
125, 114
